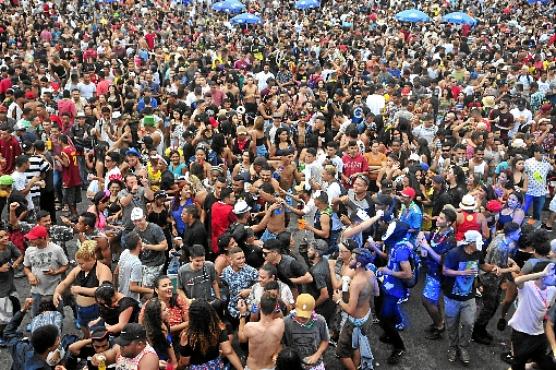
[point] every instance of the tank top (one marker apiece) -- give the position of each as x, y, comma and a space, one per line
480, 169
87, 280
124, 363
160, 146
469, 223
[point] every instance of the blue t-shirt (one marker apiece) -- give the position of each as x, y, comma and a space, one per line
394, 286
440, 243
460, 288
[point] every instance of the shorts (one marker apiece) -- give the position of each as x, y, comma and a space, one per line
268, 235
72, 195
150, 273
87, 314
431, 288
345, 348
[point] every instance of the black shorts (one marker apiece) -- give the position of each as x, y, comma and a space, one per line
72, 195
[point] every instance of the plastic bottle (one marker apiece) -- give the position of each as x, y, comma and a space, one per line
101, 363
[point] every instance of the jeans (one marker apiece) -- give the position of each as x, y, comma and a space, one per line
390, 315
460, 316
83, 170
538, 204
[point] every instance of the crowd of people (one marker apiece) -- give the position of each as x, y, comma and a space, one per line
254, 196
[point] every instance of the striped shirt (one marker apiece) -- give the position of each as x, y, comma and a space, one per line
38, 165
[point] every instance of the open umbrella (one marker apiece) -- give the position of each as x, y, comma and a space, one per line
459, 18
543, 2
228, 6
246, 18
306, 4
412, 16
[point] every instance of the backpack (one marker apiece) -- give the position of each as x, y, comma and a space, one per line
415, 262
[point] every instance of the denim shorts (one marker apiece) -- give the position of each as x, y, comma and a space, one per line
431, 288
87, 314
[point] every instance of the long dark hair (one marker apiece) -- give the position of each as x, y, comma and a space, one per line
153, 326
174, 298
204, 327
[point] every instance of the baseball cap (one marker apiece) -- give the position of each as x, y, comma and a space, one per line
133, 151
241, 207
439, 179
80, 114
320, 245
304, 305
6, 180
131, 332
473, 236
137, 214
382, 199
98, 332
408, 192
494, 206
37, 232
148, 121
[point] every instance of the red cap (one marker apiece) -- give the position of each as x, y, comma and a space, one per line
408, 192
37, 232
494, 206
30, 95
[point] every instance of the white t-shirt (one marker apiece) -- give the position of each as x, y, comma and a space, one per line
131, 270
20, 182
532, 307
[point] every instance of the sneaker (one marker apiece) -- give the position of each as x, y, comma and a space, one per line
400, 326
502, 324
464, 356
452, 354
395, 357
18, 274
481, 339
435, 335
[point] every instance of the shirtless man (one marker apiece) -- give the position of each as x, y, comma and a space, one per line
363, 286
288, 172
250, 95
264, 337
277, 219
266, 178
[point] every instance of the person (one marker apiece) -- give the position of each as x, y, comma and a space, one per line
222, 216
43, 264
267, 275
536, 168
304, 323
132, 350
321, 287
239, 278
288, 359
154, 246
98, 342
357, 327
71, 178
536, 294
264, 336
134, 195
433, 249
115, 309
204, 341
195, 232
22, 183
411, 213
498, 253
130, 269
83, 280
512, 211
460, 267
197, 279
470, 219
155, 321
10, 260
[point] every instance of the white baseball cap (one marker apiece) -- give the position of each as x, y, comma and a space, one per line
137, 214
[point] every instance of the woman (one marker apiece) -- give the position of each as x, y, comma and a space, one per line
177, 305
100, 203
185, 197
113, 204
513, 211
158, 213
282, 144
499, 189
259, 138
177, 167
115, 99
242, 168
115, 309
389, 171
204, 339
84, 281
156, 325
520, 179
224, 155
201, 160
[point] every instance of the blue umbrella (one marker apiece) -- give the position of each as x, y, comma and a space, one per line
412, 16
543, 2
459, 18
306, 4
246, 18
228, 6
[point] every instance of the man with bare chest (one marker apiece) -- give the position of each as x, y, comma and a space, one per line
264, 336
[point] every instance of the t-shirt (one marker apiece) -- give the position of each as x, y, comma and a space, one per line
197, 284
131, 270
20, 182
533, 304
138, 200
39, 260
289, 268
153, 234
460, 288
305, 338
37, 166
9, 254
222, 218
70, 174
536, 174
112, 315
321, 279
394, 286
196, 357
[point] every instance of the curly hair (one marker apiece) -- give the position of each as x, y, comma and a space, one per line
204, 327
87, 250
153, 325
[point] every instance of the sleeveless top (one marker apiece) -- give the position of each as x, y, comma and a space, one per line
469, 223
124, 363
480, 169
87, 280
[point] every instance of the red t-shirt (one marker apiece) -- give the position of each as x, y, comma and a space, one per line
221, 218
150, 38
70, 174
10, 150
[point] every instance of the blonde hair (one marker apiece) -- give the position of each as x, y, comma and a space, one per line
87, 250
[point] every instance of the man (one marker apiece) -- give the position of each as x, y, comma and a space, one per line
321, 287
195, 232
264, 337
130, 269
154, 246
197, 279
410, 213
38, 166
240, 278
353, 164
498, 254
213, 197
20, 181
461, 266
469, 219
268, 274
536, 293
222, 216
44, 263
361, 290
81, 134
426, 130
433, 248
307, 332
132, 350
290, 271
537, 168
71, 179
83, 349
134, 195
